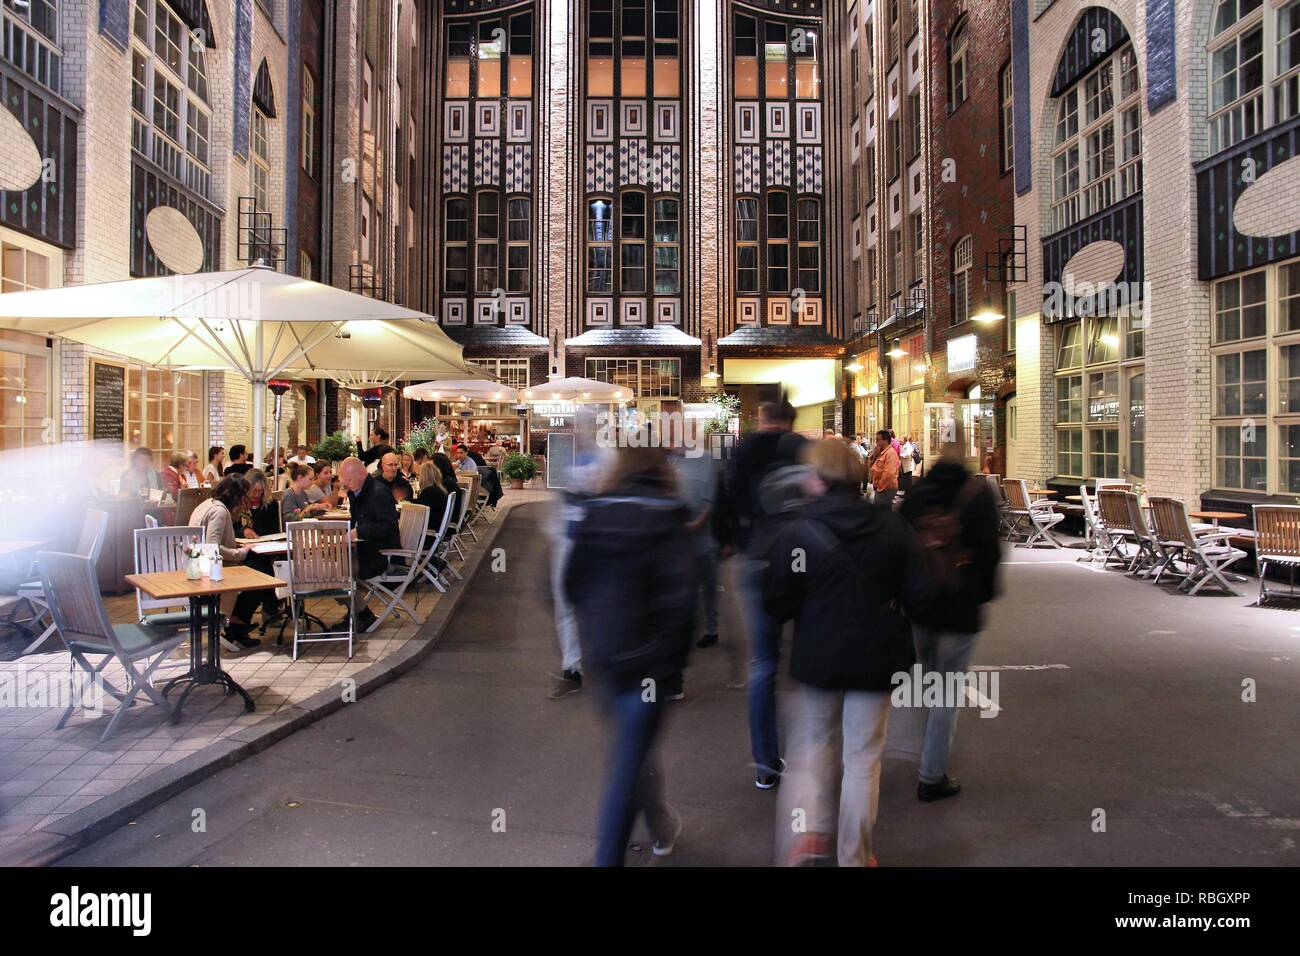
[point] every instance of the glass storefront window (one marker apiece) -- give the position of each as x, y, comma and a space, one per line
165, 411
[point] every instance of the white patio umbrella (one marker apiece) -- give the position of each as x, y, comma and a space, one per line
580, 390
461, 390
257, 321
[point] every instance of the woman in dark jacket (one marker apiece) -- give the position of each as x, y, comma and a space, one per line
449, 482
842, 570
633, 593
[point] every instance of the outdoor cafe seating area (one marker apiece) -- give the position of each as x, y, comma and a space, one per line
1157, 538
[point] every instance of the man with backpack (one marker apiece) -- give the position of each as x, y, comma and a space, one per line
956, 520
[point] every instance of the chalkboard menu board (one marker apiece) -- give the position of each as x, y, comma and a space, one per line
559, 459
107, 401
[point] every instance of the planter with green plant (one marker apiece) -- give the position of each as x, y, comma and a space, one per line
518, 468
334, 448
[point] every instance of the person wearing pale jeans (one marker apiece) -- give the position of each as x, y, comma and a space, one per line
945, 652
566, 625
861, 717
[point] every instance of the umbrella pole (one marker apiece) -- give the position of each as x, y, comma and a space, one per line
259, 397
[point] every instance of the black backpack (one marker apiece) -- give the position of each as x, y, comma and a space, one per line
939, 531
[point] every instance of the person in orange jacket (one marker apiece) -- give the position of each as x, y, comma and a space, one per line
884, 470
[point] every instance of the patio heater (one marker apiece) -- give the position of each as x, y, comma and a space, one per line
372, 399
525, 438
278, 387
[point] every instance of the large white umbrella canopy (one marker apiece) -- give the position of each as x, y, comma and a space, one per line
259, 322
463, 390
579, 390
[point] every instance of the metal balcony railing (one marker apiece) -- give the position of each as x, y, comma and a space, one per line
259, 237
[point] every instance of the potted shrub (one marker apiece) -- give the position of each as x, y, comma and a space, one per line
518, 468
334, 448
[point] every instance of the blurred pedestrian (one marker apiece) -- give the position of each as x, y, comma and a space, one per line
697, 481
884, 470
841, 570
633, 590
957, 521
907, 456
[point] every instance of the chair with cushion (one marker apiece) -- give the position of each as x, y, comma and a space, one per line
1277, 541
163, 549
72, 588
319, 566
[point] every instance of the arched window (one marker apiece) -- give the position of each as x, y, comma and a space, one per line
1097, 151
958, 65
963, 255
600, 246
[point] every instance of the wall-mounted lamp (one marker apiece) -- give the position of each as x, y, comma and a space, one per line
896, 351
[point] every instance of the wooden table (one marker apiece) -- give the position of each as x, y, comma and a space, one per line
204, 592
1214, 517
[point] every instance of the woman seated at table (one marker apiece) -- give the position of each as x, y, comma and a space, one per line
449, 482
173, 474
296, 503
407, 468
432, 493
261, 513
216, 465
216, 517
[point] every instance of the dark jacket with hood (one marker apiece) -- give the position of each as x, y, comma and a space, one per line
741, 509
631, 582
977, 582
843, 570
373, 512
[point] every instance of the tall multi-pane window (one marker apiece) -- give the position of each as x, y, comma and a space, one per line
1095, 380
260, 154
778, 241
963, 256
600, 246
1097, 150
487, 241
1007, 119
169, 91
518, 248
456, 246
668, 252
747, 245
632, 241
1254, 53
1255, 360
308, 122
958, 65
809, 265
164, 411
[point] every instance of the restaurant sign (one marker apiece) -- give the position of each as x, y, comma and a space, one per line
553, 414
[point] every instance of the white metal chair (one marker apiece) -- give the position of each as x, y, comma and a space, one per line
72, 588
89, 544
1277, 541
158, 550
457, 525
319, 566
403, 563
1041, 515
435, 549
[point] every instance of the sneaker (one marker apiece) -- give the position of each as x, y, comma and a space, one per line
768, 780
569, 682
665, 847
708, 640
675, 691
929, 792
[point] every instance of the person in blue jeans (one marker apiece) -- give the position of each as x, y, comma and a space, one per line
748, 514
630, 579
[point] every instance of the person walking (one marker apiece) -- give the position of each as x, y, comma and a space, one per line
855, 567
772, 446
697, 479
907, 462
633, 591
884, 470
957, 519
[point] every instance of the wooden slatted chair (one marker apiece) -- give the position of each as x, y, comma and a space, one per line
187, 499
1149, 550
1113, 518
72, 588
1207, 554
90, 542
1164, 518
1041, 515
1277, 541
319, 565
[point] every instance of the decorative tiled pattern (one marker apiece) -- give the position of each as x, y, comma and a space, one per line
455, 169
453, 311
633, 311
667, 311
519, 169
808, 122
600, 168
519, 121
600, 121
633, 119
517, 311
487, 118
778, 311
747, 311
778, 120
485, 312
777, 171
668, 169
455, 122
667, 122
748, 159
600, 312
808, 169
747, 120
810, 312
487, 162
633, 163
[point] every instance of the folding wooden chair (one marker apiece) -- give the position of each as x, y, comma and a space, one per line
435, 550
1041, 516
1277, 541
89, 544
319, 566
403, 563
72, 589
1207, 554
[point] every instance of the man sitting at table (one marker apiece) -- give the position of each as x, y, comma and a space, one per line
464, 463
373, 516
321, 487
140, 478
239, 463
296, 503
173, 475
390, 473
301, 456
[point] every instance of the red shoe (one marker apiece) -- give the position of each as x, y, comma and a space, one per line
811, 849
872, 861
